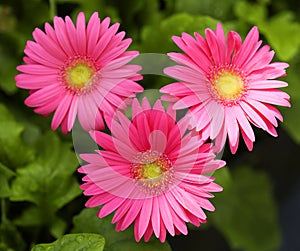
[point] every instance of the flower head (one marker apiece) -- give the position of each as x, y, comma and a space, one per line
151, 173
227, 83
79, 71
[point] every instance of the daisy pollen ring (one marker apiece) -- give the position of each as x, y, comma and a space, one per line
227, 84
79, 70
152, 172
78, 74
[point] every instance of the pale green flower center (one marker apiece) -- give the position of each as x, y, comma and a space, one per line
228, 85
151, 170
79, 76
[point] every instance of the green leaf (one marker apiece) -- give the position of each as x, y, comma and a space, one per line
157, 38
5, 175
11, 142
256, 13
8, 62
292, 119
10, 238
87, 242
278, 29
87, 221
48, 182
246, 212
39, 216
217, 8
223, 177
5, 115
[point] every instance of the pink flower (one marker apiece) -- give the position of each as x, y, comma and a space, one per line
78, 71
151, 172
227, 83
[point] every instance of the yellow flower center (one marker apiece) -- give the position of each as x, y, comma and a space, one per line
151, 170
228, 85
79, 76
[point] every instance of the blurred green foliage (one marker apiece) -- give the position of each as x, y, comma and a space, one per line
114, 241
39, 191
88, 242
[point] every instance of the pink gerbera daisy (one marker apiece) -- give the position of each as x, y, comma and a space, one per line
227, 83
151, 172
78, 70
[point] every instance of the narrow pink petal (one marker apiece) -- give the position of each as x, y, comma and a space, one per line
72, 113
253, 115
49, 45
132, 213
243, 122
36, 69
220, 139
267, 84
148, 233
232, 126
104, 40
61, 111
185, 74
188, 203
49, 106
184, 60
144, 216
261, 59
114, 52
104, 140
92, 32
264, 110
275, 97
195, 53
221, 43
71, 34
81, 33
155, 217
28, 81
122, 211
247, 140
62, 37
180, 211
166, 215
234, 43
186, 102
87, 112
111, 206
122, 60
179, 224
163, 232
248, 48
216, 112
42, 96
213, 46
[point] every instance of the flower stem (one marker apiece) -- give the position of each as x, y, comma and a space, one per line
52, 8
3, 211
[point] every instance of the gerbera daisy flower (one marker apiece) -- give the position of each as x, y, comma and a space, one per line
227, 83
151, 172
79, 71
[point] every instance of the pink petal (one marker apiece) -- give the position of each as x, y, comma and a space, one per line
81, 33
61, 111
166, 215
243, 122
155, 217
145, 215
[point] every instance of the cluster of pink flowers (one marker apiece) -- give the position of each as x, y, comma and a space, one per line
153, 170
